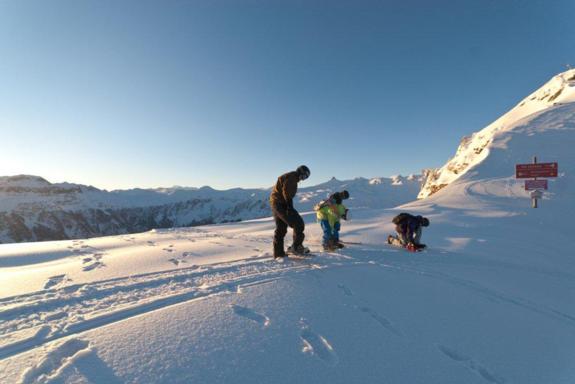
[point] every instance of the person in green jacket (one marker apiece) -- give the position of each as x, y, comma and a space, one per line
329, 213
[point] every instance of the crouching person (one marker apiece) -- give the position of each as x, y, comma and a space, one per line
329, 213
408, 228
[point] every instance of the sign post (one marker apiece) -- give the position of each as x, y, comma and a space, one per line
535, 170
536, 194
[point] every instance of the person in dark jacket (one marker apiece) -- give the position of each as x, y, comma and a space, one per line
408, 228
285, 215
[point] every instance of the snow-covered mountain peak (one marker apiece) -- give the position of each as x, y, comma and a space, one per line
474, 149
23, 181
397, 180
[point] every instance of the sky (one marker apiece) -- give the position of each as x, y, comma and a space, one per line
136, 93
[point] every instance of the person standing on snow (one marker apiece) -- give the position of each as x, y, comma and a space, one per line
408, 228
285, 215
329, 213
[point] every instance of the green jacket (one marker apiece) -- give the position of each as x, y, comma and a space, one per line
331, 213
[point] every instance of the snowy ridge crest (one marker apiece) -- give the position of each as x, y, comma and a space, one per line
474, 149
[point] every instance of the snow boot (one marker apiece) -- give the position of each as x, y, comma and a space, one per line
329, 247
299, 250
280, 255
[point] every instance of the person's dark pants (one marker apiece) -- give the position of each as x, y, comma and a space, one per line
404, 240
285, 218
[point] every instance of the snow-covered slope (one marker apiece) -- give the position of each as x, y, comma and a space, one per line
560, 90
490, 300
33, 209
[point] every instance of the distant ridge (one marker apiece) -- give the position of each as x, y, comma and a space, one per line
33, 209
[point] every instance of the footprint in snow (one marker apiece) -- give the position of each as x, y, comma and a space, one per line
94, 265
345, 289
181, 258
54, 281
471, 364
170, 248
250, 314
93, 262
387, 324
317, 345
54, 361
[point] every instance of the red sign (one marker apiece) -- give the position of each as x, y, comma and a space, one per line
530, 185
527, 171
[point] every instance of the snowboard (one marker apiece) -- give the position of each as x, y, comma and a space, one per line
291, 255
351, 243
290, 252
294, 257
395, 243
407, 249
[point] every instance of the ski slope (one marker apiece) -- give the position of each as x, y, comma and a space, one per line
490, 301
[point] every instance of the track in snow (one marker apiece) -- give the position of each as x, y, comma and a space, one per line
31, 320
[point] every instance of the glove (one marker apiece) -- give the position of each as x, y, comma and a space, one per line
344, 216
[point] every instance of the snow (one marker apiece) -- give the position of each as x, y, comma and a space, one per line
28, 192
473, 150
67, 211
210, 304
490, 300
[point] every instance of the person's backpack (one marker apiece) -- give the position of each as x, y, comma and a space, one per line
321, 204
401, 218
324, 203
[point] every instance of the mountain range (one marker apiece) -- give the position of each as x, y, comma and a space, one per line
33, 209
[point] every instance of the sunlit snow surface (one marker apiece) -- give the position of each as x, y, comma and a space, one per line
490, 301
556, 94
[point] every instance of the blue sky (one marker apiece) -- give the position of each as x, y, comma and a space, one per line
122, 94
